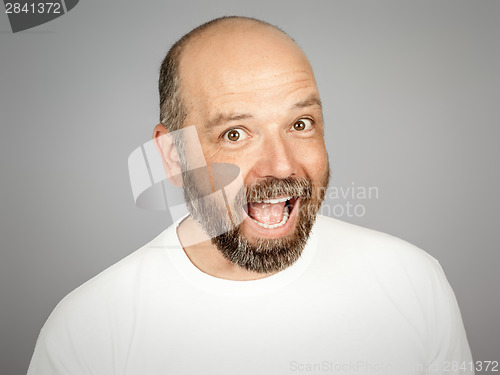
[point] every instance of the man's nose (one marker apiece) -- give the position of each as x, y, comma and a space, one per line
276, 159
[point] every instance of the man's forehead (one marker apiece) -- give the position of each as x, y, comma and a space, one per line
261, 83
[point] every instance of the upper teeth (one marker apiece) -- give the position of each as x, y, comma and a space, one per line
273, 201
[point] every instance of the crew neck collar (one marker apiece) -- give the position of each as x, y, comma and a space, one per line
216, 285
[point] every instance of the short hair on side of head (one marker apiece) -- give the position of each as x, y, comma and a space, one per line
172, 110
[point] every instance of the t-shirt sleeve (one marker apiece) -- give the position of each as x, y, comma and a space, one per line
450, 352
74, 340
54, 356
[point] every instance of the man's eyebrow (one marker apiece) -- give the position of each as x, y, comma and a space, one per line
310, 101
222, 118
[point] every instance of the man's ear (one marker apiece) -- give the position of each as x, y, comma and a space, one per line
165, 145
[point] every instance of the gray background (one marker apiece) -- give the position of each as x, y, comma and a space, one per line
411, 99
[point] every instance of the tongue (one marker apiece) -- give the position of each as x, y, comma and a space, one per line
266, 213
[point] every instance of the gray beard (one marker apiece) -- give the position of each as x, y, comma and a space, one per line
264, 255
267, 255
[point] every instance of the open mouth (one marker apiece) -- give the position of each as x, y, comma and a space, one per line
271, 213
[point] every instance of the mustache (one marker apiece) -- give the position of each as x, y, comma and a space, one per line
274, 187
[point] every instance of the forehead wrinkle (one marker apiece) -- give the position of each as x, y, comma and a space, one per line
250, 95
261, 83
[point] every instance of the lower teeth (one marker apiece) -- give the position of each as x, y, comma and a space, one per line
286, 213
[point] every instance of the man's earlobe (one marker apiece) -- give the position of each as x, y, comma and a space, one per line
164, 143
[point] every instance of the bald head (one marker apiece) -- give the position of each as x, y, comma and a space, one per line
223, 49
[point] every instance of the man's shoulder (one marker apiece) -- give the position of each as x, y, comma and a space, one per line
370, 247
379, 262
119, 282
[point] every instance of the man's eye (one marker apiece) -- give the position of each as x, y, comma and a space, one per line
234, 135
302, 124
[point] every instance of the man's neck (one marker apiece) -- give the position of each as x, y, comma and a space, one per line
206, 257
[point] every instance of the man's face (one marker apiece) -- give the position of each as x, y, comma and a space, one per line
255, 104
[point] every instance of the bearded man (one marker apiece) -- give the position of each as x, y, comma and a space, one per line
256, 283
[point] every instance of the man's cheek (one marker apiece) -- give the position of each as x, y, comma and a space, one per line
219, 154
315, 163
213, 154
242, 161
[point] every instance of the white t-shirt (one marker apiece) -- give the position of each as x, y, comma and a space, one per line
357, 301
